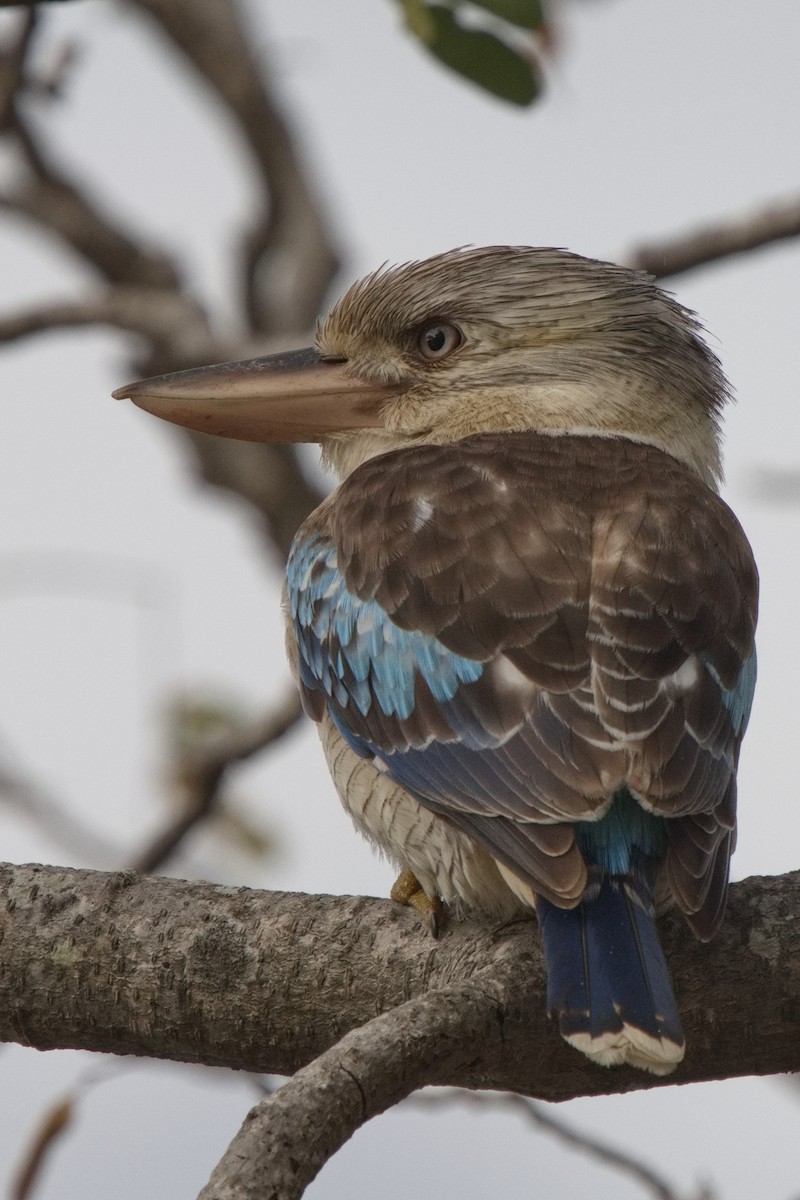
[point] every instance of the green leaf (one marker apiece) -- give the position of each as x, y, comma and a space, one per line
526, 13
482, 58
418, 19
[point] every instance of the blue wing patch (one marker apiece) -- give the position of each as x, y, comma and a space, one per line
462, 758
353, 652
625, 835
739, 700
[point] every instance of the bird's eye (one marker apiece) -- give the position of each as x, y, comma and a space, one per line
437, 340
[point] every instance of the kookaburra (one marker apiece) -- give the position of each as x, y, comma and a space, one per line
524, 620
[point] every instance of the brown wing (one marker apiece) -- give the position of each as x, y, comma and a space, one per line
610, 599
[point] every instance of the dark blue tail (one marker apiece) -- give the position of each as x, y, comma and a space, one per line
607, 979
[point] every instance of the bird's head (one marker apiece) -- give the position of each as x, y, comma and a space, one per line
499, 338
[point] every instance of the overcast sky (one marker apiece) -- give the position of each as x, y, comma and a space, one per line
121, 582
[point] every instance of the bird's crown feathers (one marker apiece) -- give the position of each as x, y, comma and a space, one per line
540, 338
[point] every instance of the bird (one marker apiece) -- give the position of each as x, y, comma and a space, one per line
524, 619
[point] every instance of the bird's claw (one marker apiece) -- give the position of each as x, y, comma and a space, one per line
407, 890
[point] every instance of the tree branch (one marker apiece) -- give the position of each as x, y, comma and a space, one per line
158, 315
268, 477
146, 296
13, 64
287, 1138
535, 1114
289, 257
268, 981
47, 196
735, 235
203, 776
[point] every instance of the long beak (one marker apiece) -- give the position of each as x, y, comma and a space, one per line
294, 397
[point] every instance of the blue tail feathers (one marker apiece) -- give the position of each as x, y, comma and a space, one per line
607, 979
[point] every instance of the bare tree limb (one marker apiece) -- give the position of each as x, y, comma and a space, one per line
287, 1138
266, 982
56, 203
751, 230
289, 258
156, 314
13, 60
269, 477
146, 296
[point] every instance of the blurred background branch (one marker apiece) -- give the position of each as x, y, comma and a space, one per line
772, 222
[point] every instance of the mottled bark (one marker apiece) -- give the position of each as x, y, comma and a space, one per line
267, 981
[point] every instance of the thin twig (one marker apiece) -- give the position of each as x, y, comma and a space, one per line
289, 254
58, 1117
51, 1127
205, 776
772, 222
53, 818
534, 1113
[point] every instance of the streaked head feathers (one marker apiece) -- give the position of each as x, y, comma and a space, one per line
551, 341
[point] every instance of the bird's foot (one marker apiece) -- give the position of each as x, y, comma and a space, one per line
407, 890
